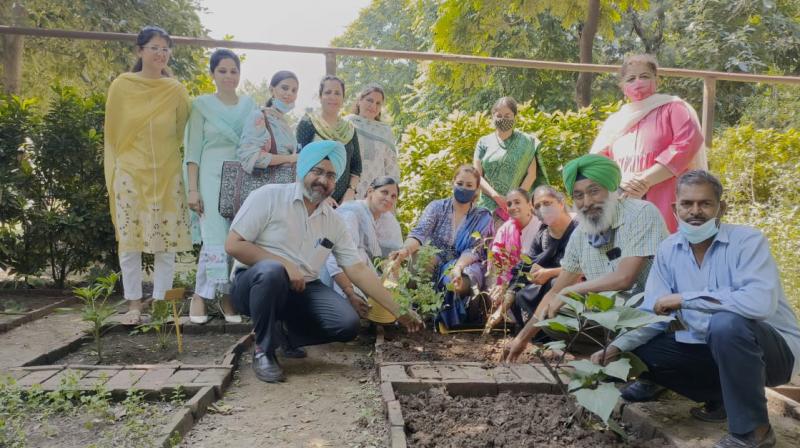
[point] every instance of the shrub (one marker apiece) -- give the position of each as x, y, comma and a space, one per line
758, 168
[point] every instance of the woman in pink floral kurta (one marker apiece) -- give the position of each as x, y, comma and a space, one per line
654, 138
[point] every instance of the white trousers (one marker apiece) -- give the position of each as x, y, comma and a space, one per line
163, 272
206, 287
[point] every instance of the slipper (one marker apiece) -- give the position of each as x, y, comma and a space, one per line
132, 317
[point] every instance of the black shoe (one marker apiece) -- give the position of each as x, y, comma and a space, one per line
712, 412
641, 390
267, 368
297, 352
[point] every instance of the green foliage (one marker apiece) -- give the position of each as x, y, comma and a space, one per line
161, 322
61, 215
758, 169
90, 66
429, 155
589, 382
96, 310
413, 286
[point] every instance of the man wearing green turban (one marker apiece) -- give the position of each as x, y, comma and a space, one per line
612, 248
602, 170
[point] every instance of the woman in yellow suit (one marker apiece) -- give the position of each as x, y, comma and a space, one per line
146, 112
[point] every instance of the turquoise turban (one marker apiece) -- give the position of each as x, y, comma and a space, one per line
598, 168
315, 152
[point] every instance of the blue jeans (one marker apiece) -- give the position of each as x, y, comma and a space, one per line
740, 357
317, 315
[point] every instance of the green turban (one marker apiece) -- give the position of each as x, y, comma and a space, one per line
598, 168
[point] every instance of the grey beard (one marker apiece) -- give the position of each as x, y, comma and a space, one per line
313, 196
596, 226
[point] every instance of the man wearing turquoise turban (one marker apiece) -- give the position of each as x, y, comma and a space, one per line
279, 239
612, 248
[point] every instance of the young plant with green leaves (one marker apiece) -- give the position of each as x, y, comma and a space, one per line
160, 323
412, 284
592, 384
96, 309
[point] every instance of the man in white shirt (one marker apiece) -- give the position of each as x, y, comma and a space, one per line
280, 239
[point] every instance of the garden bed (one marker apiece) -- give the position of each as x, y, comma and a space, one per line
397, 345
435, 418
18, 307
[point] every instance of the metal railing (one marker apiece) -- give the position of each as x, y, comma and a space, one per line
709, 78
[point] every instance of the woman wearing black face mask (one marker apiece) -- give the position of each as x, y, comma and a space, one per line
507, 159
449, 225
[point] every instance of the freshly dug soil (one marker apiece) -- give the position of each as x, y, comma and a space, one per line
435, 419
14, 306
126, 349
427, 345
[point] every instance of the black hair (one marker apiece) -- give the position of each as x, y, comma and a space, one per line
383, 181
521, 191
367, 90
330, 78
221, 54
146, 35
643, 58
700, 177
508, 102
277, 78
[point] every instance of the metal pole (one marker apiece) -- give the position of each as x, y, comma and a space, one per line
709, 100
330, 64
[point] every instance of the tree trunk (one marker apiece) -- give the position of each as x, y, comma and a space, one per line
583, 88
12, 51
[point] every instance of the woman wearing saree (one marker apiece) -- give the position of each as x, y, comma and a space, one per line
449, 225
146, 113
375, 231
654, 138
212, 133
507, 159
375, 139
327, 125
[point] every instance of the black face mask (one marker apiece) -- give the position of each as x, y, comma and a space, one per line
504, 124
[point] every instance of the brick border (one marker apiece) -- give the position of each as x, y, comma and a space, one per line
38, 313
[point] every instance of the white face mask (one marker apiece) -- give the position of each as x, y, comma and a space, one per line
548, 214
698, 234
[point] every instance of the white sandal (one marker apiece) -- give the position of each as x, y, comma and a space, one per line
199, 319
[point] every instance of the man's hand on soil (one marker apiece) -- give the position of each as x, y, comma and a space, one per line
411, 321
611, 353
514, 348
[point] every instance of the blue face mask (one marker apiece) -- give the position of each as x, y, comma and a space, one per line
463, 195
281, 106
698, 234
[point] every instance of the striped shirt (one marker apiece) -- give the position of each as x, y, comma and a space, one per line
638, 230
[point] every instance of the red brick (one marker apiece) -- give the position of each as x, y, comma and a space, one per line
200, 401
54, 382
154, 379
395, 414
125, 379
97, 376
213, 376
393, 373
387, 392
181, 377
37, 377
398, 437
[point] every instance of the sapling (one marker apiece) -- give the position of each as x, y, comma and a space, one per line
411, 283
96, 310
160, 319
592, 384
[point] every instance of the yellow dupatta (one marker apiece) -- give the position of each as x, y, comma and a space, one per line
142, 143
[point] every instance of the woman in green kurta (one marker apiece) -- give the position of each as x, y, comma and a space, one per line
507, 159
212, 134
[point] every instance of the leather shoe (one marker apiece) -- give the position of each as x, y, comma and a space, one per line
296, 352
266, 367
712, 412
641, 391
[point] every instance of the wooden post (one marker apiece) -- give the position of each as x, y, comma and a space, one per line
13, 46
709, 98
330, 64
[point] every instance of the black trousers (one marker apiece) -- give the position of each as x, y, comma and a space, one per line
317, 315
741, 356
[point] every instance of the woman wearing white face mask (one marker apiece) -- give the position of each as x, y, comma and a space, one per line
546, 250
271, 123
654, 138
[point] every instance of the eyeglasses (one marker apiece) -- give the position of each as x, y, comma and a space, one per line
319, 172
155, 49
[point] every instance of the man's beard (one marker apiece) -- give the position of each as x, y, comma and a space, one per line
597, 225
315, 196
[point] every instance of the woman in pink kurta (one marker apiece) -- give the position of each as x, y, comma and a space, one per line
654, 138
